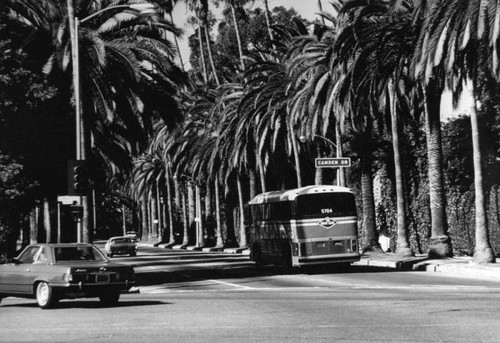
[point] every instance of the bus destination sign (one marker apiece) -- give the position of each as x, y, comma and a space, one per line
328, 162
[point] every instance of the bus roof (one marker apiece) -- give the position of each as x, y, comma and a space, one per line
291, 194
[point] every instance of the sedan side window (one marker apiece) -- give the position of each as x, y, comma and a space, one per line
40, 257
28, 255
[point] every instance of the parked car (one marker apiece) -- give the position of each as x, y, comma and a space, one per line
50, 272
121, 245
132, 235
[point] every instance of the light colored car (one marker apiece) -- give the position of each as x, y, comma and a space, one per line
121, 245
50, 272
133, 235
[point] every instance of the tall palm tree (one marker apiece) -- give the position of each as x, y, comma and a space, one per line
462, 41
233, 146
433, 85
268, 88
149, 176
201, 10
128, 77
314, 84
432, 79
384, 47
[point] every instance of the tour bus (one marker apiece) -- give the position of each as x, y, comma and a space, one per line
303, 226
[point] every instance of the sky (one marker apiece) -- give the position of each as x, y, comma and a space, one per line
307, 9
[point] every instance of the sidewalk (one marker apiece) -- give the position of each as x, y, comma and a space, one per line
456, 265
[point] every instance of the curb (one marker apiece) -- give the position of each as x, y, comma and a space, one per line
457, 265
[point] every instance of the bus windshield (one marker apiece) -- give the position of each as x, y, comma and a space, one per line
325, 205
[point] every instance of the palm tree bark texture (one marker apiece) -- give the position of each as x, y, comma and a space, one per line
439, 242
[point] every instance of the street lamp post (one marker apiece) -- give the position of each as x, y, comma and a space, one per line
74, 24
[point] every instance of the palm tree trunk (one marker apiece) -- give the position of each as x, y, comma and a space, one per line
34, 225
340, 153
261, 172
238, 36
295, 149
483, 253
243, 235
202, 54
86, 229
46, 220
268, 23
159, 218
185, 235
200, 242
369, 225
171, 239
210, 55
439, 243
191, 205
144, 217
402, 243
319, 172
220, 242
253, 183
177, 199
208, 200
154, 217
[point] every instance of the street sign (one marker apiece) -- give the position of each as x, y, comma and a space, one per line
330, 162
69, 199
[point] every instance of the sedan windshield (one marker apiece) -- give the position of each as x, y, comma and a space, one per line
77, 254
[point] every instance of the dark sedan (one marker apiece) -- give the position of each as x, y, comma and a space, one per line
50, 272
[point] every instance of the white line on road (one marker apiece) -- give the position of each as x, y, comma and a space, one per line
231, 284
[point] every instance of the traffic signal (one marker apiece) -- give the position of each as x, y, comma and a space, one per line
77, 177
76, 212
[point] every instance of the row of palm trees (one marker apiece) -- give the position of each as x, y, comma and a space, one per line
375, 57
239, 133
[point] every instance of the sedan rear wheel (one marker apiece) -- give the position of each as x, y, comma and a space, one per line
45, 295
109, 297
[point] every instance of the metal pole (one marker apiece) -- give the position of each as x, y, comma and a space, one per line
76, 61
124, 221
78, 109
58, 222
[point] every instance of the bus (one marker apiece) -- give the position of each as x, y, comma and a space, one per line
304, 226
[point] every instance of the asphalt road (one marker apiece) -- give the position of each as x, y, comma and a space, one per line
196, 297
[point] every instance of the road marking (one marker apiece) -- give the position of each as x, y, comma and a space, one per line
232, 284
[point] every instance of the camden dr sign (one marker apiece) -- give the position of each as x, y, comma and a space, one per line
330, 162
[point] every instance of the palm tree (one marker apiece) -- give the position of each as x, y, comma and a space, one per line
148, 175
384, 45
314, 83
433, 85
200, 8
233, 149
128, 76
268, 88
466, 51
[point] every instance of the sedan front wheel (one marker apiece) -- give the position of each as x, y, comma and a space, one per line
45, 295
